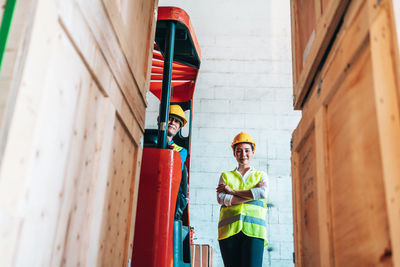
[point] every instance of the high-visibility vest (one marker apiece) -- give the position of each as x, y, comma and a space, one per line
248, 217
182, 152
175, 147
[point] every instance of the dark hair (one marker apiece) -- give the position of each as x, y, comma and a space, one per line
235, 145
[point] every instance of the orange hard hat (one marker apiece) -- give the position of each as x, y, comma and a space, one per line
243, 138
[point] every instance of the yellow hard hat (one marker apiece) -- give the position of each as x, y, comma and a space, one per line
177, 111
243, 138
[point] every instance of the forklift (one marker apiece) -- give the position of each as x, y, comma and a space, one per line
162, 228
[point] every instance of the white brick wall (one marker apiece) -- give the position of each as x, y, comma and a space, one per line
244, 84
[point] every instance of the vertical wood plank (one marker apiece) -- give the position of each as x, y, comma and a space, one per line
295, 39
355, 171
120, 186
396, 13
394, 17
19, 150
318, 9
324, 4
104, 154
133, 198
325, 218
296, 208
306, 25
386, 101
93, 139
82, 195
308, 186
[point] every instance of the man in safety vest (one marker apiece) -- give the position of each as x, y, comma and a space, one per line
176, 120
242, 193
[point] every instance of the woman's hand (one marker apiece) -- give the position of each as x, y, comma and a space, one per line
225, 189
261, 184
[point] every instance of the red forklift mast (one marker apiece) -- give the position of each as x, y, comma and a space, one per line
162, 225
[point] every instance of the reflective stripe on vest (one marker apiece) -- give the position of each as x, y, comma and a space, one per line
248, 217
175, 147
241, 217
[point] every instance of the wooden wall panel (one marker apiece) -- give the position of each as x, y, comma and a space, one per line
105, 37
311, 195
324, 5
386, 78
62, 165
116, 243
85, 178
70, 169
308, 211
305, 20
307, 56
20, 152
353, 108
355, 168
132, 21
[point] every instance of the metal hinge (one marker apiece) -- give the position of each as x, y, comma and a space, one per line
294, 257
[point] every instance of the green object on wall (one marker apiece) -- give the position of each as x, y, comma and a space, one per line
5, 27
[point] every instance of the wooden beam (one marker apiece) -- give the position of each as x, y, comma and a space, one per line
323, 190
318, 10
388, 116
295, 40
296, 199
396, 9
394, 13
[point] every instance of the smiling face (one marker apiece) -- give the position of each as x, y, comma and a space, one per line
174, 124
243, 153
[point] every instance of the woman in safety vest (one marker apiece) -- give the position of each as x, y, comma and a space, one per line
242, 194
